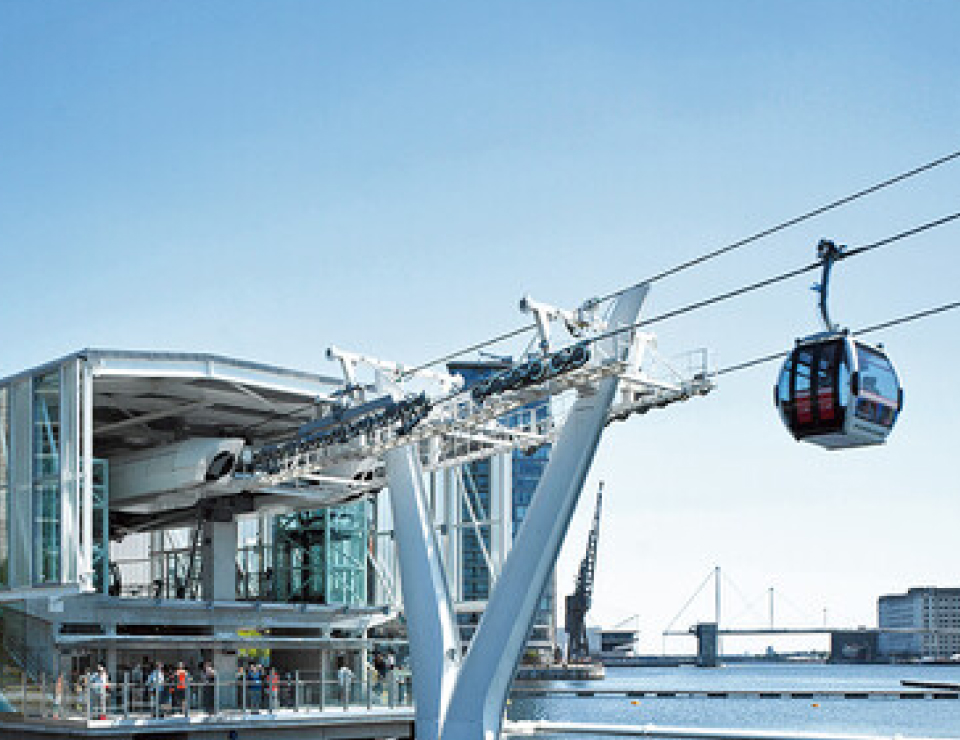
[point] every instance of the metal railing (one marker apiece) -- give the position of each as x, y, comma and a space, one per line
58, 698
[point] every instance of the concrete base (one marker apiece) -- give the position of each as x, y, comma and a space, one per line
332, 725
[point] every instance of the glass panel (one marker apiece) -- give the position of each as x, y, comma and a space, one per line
101, 539
877, 378
804, 407
347, 554
475, 575
843, 381
297, 556
4, 484
46, 478
318, 556
527, 468
826, 371
783, 384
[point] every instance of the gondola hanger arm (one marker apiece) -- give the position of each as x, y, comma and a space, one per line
828, 252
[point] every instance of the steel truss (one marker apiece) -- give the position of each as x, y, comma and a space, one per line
347, 462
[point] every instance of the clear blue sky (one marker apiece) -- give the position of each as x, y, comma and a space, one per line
263, 179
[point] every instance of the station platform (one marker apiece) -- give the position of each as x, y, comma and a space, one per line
333, 724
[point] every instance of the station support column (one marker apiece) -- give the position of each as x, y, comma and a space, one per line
464, 700
476, 708
427, 606
218, 553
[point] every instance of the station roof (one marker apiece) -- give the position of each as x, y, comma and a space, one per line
144, 398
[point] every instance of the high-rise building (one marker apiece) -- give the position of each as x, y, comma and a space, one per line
478, 509
522, 472
933, 612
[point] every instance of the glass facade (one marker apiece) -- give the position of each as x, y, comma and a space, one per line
255, 573
321, 556
46, 478
4, 486
101, 541
526, 467
170, 564
474, 575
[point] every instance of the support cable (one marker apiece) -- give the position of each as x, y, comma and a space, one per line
749, 609
739, 592
860, 332
696, 593
854, 252
819, 211
743, 290
710, 255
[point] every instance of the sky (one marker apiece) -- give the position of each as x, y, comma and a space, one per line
265, 179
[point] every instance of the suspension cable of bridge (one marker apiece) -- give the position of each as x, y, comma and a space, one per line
783, 225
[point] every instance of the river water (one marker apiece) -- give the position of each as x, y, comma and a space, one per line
885, 716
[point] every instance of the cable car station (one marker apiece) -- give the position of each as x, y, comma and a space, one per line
105, 452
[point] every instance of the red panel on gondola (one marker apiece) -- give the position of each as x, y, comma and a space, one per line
825, 405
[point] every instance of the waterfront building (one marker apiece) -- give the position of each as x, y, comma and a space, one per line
605, 644
935, 615
126, 538
854, 646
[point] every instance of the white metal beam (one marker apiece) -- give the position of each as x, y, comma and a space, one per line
428, 608
476, 707
85, 566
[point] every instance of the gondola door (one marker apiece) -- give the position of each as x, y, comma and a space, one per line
811, 402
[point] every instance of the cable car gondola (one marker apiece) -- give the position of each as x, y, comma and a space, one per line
836, 391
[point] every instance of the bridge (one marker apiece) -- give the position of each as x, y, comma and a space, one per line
708, 633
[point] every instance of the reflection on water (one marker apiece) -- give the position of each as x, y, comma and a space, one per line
909, 717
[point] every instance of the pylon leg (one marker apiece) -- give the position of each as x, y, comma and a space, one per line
476, 708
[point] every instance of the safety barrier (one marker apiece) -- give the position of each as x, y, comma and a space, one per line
56, 698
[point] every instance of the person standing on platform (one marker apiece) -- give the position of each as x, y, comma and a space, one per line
255, 687
273, 686
98, 681
136, 681
209, 687
155, 689
344, 678
180, 689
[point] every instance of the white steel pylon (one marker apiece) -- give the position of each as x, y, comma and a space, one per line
464, 700
427, 606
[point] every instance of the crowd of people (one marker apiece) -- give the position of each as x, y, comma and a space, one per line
164, 690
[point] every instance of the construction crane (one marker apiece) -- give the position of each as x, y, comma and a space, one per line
578, 603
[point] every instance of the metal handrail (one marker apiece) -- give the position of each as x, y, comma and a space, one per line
87, 701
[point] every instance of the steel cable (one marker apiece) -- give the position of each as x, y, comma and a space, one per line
860, 332
855, 252
708, 256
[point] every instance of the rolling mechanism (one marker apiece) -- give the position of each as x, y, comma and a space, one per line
338, 457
